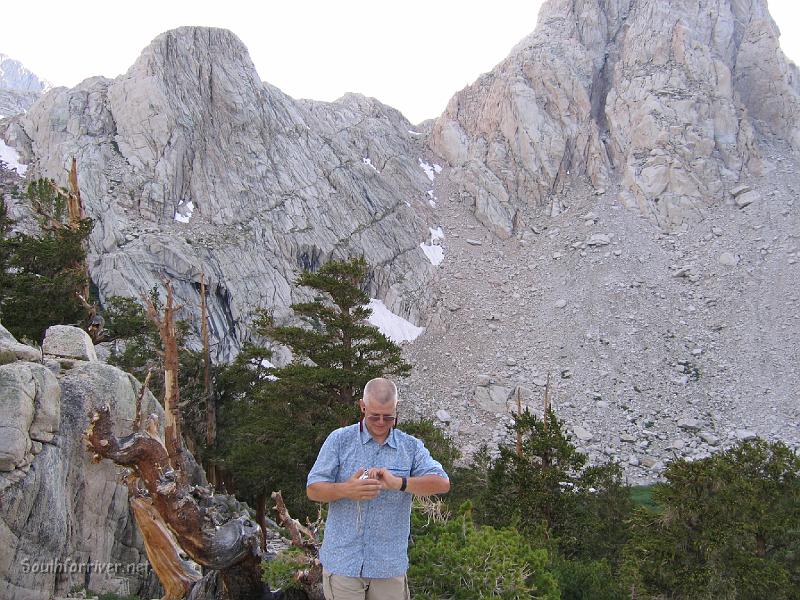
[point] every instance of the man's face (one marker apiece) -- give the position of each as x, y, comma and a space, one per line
380, 418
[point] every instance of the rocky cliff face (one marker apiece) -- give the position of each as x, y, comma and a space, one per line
617, 207
64, 522
657, 101
19, 87
189, 163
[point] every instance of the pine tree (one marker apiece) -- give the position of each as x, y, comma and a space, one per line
546, 481
344, 350
274, 420
42, 276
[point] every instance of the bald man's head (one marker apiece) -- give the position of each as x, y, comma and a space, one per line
380, 392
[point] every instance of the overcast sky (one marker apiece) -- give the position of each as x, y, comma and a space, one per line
413, 55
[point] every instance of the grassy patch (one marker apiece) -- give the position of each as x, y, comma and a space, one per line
642, 495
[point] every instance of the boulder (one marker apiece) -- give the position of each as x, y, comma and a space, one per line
709, 438
599, 239
689, 424
739, 190
583, 434
676, 444
747, 198
64, 507
64, 341
649, 462
11, 349
745, 435
492, 398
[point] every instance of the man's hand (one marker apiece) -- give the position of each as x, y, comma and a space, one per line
387, 479
424, 485
357, 488
354, 488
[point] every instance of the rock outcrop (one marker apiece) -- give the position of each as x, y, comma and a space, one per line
64, 522
19, 87
188, 163
665, 99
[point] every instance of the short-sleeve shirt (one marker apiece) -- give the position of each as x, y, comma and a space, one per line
369, 538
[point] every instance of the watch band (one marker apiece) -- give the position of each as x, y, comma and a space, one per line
404, 484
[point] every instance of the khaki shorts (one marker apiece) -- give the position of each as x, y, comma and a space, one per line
340, 587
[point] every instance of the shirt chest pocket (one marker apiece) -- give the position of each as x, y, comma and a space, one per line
399, 463
399, 469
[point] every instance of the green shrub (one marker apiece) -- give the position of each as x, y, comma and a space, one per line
279, 572
730, 528
458, 560
588, 580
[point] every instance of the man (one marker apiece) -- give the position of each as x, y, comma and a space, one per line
367, 472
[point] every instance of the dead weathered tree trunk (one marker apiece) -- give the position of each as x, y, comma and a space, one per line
518, 444
214, 530
546, 458
208, 391
169, 340
261, 517
76, 214
176, 574
211, 412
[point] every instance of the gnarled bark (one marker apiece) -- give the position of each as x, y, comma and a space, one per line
166, 330
177, 575
214, 530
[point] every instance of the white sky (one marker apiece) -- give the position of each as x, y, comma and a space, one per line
413, 55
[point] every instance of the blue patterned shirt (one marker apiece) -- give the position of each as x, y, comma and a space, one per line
369, 538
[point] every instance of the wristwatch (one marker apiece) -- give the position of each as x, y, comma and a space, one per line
404, 484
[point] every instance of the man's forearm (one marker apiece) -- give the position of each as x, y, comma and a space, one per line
324, 491
427, 485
